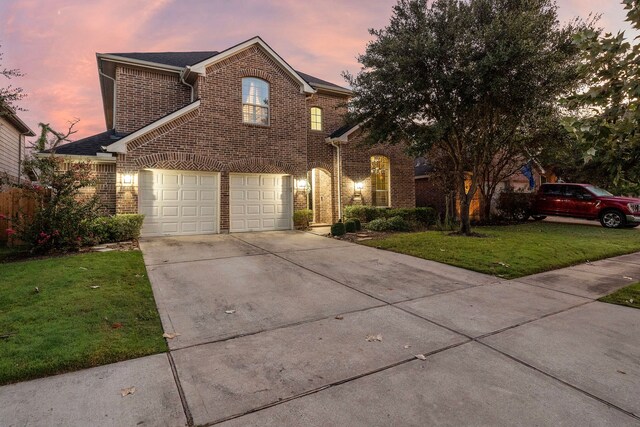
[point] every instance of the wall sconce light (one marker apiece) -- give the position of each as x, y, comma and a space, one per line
301, 184
127, 179
359, 186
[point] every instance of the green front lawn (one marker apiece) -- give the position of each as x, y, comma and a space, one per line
629, 296
66, 324
517, 250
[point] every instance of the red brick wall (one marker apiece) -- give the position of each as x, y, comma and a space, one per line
144, 96
105, 176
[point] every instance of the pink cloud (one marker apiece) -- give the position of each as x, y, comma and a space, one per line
54, 41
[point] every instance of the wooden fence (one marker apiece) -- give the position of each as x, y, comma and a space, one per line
13, 202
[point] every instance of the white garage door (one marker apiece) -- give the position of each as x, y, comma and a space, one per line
178, 202
260, 202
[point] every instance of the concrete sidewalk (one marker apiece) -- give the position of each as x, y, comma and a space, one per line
324, 332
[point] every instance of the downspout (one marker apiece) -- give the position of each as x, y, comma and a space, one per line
20, 144
184, 73
114, 97
339, 178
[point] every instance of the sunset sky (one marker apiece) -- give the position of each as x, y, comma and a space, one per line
54, 41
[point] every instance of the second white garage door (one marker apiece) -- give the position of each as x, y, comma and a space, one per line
260, 202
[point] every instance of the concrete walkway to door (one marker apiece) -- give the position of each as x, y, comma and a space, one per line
290, 328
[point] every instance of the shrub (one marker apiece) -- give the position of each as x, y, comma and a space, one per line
338, 229
397, 223
363, 213
426, 216
350, 226
117, 228
378, 224
302, 218
514, 205
358, 224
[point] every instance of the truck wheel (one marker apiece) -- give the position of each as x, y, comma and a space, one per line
539, 217
612, 219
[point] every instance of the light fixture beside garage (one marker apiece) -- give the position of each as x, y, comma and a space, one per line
127, 179
301, 184
359, 186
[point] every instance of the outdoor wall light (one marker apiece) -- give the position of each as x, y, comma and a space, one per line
359, 186
127, 179
301, 184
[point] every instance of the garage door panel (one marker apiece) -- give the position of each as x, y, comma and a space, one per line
178, 202
259, 202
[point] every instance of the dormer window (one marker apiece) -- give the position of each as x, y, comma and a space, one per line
255, 101
316, 118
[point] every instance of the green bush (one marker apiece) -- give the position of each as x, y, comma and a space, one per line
378, 224
302, 218
117, 228
514, 205
397, 223
426, 216
363, 213
338, 229
350, 226
358, 224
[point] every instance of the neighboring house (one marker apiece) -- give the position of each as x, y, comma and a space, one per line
12, 143
231, 141
430, 191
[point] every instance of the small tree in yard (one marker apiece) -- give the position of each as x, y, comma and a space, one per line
471, 77
9, 95
63, 214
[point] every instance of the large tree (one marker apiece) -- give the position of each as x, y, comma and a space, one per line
606, 122
471, 77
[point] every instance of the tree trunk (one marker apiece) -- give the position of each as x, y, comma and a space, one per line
465, 222
485, 207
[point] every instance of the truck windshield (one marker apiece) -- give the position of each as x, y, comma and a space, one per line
598, 191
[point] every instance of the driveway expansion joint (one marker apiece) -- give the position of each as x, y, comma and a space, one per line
183, 398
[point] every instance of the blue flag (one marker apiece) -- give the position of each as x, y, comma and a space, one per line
528, 172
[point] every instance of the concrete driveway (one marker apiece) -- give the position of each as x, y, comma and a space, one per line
290, 328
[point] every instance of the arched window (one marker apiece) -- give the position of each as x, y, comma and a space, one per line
255, 101
316, 118
380, 181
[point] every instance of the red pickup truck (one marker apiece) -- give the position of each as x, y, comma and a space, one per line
587, 202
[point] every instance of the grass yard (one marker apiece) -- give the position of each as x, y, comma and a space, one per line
629, 296
69, 325
517, 250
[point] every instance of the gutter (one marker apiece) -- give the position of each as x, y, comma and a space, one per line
77, 157
183, 74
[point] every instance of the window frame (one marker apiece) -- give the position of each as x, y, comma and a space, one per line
311, 117
374, 182
266, 106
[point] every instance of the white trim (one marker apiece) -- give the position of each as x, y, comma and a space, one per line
201, 67
81, 158
121, 145
344, 137
327, 88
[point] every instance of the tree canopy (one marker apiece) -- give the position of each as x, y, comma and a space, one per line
607, 120
472, 77
10, 94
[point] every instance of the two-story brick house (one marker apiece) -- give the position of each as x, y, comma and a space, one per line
231, 141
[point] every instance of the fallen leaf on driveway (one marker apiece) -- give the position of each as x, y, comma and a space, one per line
94, 287
622, 372
421, 357
627, 277
127, 391
230, 311
407, 346
171, 335
373, 338
339, 317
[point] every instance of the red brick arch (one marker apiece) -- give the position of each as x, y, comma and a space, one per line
179, 161
258, 165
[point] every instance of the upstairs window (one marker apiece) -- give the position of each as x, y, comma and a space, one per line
316, 118
255, 101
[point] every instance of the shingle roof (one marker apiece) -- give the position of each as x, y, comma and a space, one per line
182, 59
88, 146
175, 59
341, 131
